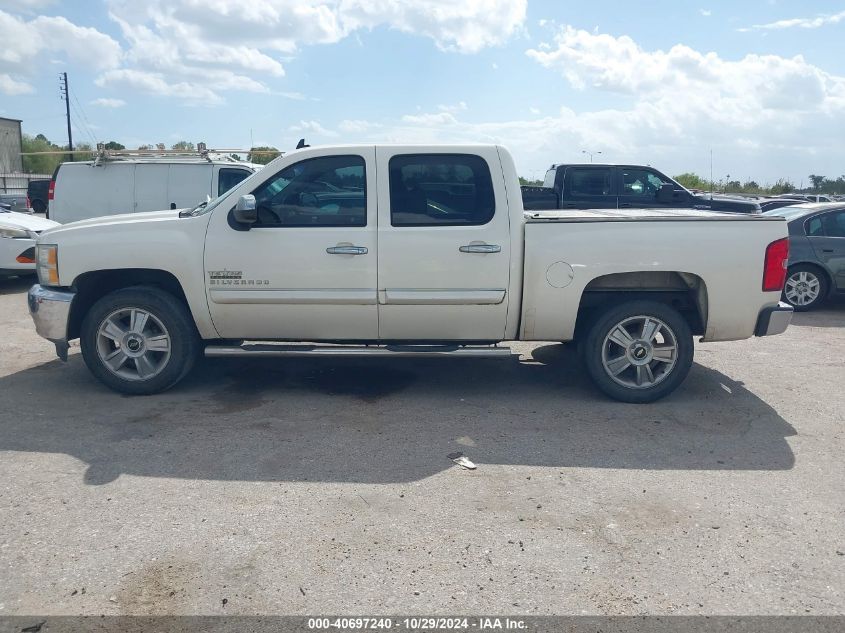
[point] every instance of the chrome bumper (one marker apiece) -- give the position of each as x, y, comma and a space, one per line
774, 320
50, 310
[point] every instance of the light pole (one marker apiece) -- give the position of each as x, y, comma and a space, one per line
591, 154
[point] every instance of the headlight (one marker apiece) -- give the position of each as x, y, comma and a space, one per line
47, 264
14, 232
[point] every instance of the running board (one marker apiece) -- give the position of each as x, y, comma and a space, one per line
391, 351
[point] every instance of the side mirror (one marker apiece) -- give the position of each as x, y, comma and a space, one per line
666, 193
246, 211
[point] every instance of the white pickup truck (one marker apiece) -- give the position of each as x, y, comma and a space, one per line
404, 251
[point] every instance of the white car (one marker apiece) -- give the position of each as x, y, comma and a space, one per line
18, 232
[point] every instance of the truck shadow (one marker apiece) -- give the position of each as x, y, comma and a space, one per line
376, 421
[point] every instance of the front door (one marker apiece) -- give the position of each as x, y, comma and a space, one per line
306, 271
639, 188
444, 246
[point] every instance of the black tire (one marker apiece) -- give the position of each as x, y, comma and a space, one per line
38, 206
813, 272
167, 315
602, 355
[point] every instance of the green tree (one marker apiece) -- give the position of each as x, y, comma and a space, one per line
43, 164
782, 186
114, 145
263, 154
530, 183
184, 146
817, 181
692, 181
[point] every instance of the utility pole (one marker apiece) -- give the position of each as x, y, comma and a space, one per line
584, 151
63, 87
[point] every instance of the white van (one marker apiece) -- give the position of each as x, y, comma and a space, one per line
112, 186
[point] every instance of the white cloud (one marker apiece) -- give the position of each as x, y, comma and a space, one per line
663, 108
466, 27
312, 126
356, 126
803, 23
12, 86
456, 107
705, 12
25, 42
107, 102
197, 42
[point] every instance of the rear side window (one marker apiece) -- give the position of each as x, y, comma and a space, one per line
834, 224
589, 182
228, 178
440, 190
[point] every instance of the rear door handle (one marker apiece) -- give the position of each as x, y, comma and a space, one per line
347, 250
625, 205
481, 248
827, 250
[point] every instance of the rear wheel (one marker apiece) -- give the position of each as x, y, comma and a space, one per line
639, 351
139, 340
805, 288
38, 206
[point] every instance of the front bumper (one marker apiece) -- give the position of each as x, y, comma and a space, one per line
50, 310
774, 320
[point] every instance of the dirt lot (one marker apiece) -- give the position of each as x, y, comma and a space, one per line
312, 487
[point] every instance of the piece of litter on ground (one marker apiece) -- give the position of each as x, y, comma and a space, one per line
725, 387
461, 460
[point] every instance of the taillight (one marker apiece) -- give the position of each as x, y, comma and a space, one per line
28, 203
51, 190
774, 268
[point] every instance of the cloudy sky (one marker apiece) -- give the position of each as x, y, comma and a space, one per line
760, 82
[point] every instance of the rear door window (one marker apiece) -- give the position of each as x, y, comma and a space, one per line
583, 182
440, 190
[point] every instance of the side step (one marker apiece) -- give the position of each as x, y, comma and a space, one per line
392, 351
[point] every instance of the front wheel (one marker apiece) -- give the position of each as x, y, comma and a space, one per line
639, 351
139, 340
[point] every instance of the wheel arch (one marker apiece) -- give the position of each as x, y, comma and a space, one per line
685, 292
91, 286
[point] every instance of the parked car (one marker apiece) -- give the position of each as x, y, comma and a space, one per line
816, 253
622, 186
405, 251
17, 202
770, 204
18, 232
37, 192
136, 184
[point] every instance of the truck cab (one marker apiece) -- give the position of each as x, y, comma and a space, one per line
596, 186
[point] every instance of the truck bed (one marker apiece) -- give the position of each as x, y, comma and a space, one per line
630, 215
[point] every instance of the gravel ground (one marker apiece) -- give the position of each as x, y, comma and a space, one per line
310, 487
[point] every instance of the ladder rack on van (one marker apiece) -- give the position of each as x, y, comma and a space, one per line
159, 152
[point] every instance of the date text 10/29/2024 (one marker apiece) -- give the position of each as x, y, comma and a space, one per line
417, 624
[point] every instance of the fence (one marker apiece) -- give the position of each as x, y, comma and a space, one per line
18, 182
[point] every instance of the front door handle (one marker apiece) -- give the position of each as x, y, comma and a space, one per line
347, 250
827, 250
481, 248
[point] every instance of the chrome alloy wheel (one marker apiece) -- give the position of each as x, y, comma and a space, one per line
133, 344
639, 352
802, 288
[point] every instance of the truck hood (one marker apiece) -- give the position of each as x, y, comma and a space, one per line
26, 221
124, 218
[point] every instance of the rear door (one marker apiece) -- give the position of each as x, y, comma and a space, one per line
826, 233
589, 187
189, 184
444, 245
